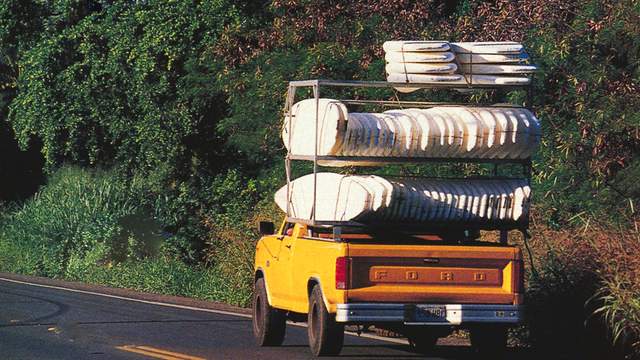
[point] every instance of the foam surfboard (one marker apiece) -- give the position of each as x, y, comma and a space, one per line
520, 131
489, 133
453, 136
497, 80
418, 57
468, 137
489, 47
497, 69
424, 142
421, 68
465, 58
423, 78
415, 46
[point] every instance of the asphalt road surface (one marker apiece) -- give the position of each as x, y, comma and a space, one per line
41, 322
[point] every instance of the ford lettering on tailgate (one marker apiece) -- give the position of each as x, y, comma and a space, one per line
435, 275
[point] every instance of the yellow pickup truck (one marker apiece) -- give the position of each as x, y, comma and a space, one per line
421, 285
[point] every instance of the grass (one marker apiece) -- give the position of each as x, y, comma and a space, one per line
165, 276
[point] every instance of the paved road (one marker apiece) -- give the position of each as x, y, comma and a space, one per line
46, 323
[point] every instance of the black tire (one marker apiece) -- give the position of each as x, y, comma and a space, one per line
489, 341
269, 324
422, 341
326, 337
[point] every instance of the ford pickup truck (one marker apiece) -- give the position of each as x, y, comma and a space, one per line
419, 285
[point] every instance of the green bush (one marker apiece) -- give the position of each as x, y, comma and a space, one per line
126, 86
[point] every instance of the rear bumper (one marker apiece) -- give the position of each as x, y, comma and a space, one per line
429, 314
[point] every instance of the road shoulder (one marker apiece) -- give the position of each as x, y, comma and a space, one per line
127, 293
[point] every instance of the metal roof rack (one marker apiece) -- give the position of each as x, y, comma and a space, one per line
317, 84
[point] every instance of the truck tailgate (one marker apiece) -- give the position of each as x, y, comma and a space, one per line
434, 274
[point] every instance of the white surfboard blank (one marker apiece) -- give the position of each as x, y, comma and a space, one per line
370, 198
497, 69
490, 47
464, 58
424, 78
497, 80
427, 46
419, 57
421, 68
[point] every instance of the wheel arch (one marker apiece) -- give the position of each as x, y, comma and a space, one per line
260, 274
311, 283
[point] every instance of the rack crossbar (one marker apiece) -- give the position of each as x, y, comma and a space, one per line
382, 160
430, 226
386, 84
425, 104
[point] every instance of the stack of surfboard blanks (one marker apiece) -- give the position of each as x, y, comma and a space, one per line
438, 132
370, 198
481, 63
420, 62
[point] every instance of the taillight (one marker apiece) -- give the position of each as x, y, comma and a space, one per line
342, 272
518, 276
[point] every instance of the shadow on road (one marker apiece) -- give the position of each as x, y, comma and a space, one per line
60, 309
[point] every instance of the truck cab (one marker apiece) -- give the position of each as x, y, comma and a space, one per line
422, 285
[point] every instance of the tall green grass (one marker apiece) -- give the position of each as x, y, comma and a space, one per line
90, 226
76, 215
162, 275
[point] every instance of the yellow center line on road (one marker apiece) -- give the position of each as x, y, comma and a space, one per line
157, 353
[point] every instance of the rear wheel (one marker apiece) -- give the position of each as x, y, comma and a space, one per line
269, 324
325, 335
489, 341
421, 339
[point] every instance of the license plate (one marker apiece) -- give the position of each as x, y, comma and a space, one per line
430, 313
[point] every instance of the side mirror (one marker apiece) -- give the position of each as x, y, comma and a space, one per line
266, 228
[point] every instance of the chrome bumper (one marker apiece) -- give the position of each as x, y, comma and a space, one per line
429, 314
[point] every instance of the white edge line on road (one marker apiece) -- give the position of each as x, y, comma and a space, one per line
185, 307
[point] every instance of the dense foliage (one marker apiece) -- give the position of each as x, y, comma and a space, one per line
182, 101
